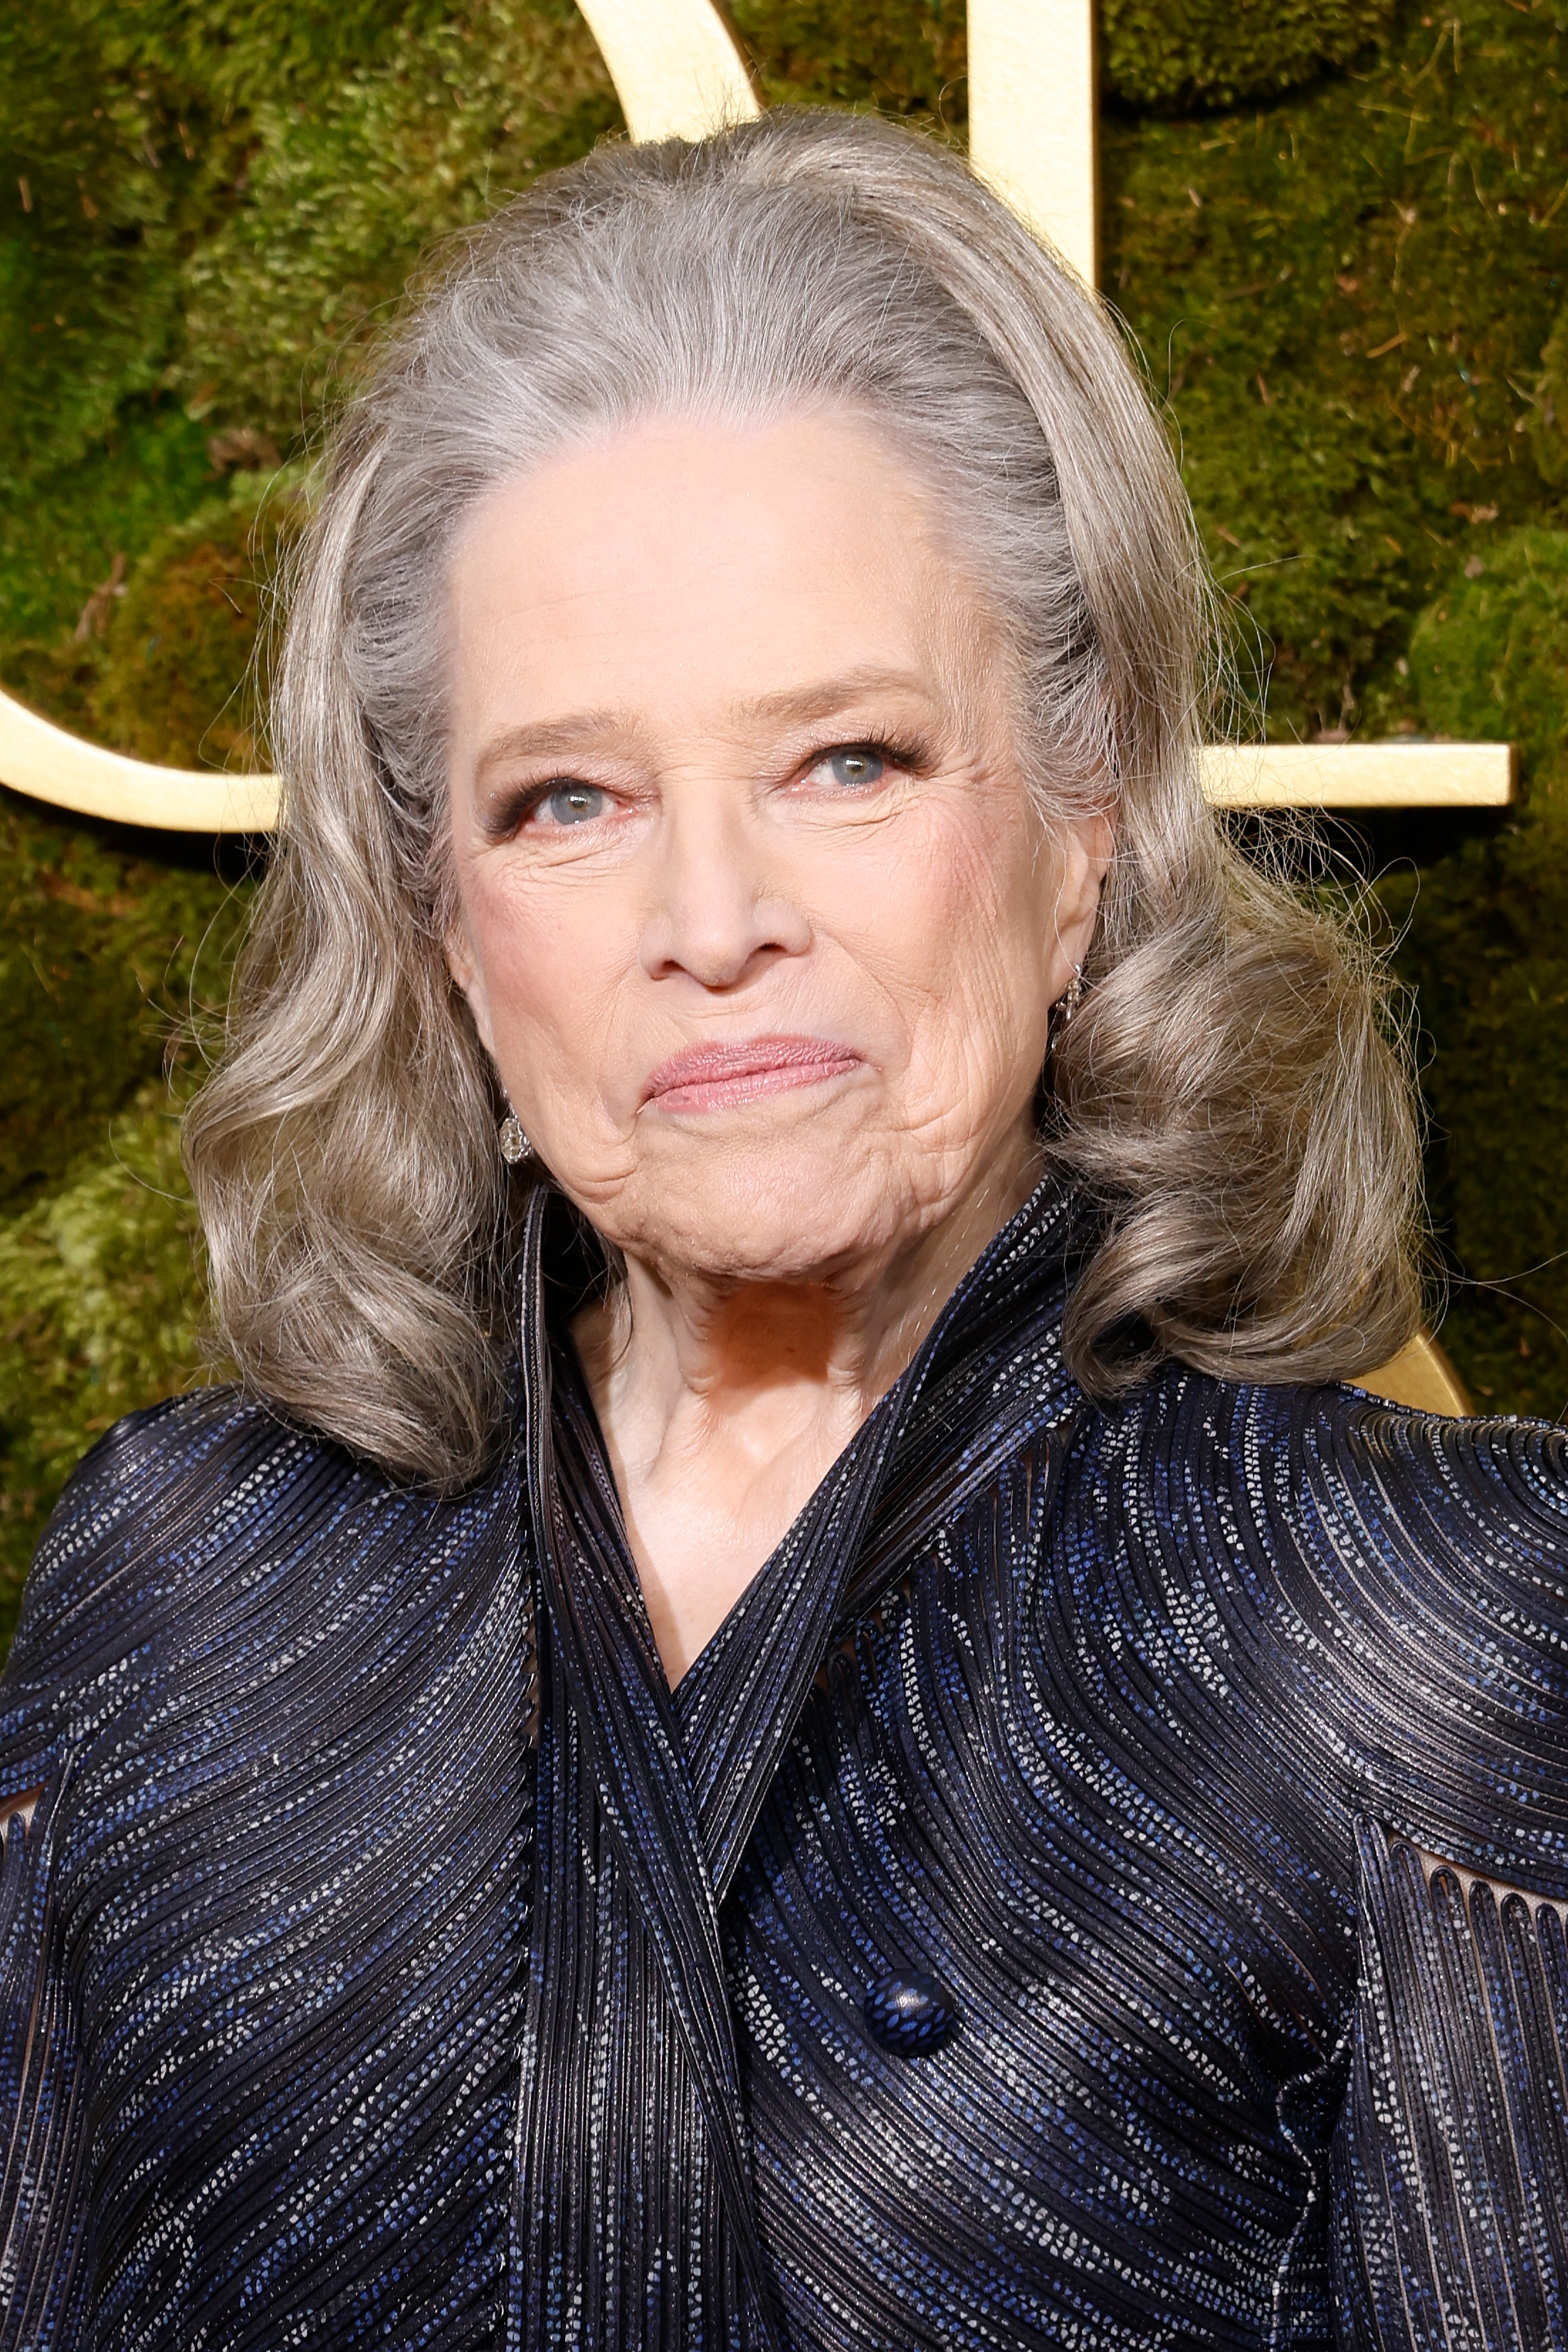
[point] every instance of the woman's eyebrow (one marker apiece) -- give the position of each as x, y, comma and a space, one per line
548, 739
800, 705
547, 736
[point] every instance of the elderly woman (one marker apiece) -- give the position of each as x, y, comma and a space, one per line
791, 1707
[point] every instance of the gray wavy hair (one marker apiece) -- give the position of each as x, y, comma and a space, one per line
1231, 1093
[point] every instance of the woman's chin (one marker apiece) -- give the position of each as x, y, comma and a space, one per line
785, 1214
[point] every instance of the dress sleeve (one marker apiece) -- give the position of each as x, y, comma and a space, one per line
40, 2205
1450, 2165
84, 1620
1449, 2168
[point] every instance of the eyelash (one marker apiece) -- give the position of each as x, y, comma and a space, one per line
516, 810
911, 758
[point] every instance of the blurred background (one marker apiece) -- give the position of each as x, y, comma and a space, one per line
1337, 230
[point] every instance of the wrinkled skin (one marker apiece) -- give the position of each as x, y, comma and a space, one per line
732, 759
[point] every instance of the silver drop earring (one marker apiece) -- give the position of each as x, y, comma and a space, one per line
1073, 995
515, 1145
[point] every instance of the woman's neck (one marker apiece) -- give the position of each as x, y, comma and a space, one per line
725, 1403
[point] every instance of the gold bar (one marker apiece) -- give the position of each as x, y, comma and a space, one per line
1420, 1377
1034, 119
676, 70
42, 759
1359, 775
45, 761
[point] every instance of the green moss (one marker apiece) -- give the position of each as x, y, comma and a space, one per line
1351, 302
103, 950
345, 188
901, 58
1164, 53
1486, 948
177, 682
1548, 425
100, 1300
199, 211
1344, 301
1488, 658
62, 532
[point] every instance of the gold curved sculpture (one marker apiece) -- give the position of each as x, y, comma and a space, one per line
676, 70
1421, 1377
1033, 116
42, 759
46, 763
1032, 121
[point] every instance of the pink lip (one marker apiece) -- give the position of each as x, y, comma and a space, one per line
710, 1077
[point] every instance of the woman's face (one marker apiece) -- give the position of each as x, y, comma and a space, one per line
758, 918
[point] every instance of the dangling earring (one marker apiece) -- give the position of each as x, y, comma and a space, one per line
515, 1145
1073, 995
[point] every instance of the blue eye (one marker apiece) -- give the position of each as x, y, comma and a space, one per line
575, 803
859, 765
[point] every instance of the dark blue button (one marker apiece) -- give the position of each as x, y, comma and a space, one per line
910, 2013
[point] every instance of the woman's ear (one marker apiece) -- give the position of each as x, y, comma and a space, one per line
1088, 845
464, 965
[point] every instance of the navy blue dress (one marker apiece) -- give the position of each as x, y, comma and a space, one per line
1104, 1885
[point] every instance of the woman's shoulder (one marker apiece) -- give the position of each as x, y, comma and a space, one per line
1500, 1480
1343, 1465
202, 1520
1405, 1573
175, 1460
1381, 1506
1443, 1504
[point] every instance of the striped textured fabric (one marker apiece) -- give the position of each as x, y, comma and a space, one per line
1104, 1884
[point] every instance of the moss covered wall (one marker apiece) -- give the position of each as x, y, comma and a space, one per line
1338, 230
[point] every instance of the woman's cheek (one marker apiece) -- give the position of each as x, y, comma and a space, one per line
547, 945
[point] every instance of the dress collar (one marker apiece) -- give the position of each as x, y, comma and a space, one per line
668, 1802
989, 1368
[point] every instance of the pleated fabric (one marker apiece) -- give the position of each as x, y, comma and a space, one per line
266, 1944
393, 1957
647, 1805
1452, 2216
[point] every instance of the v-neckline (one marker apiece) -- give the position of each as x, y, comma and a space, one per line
694, 1689
571, 1380
707, 1706
711, 1712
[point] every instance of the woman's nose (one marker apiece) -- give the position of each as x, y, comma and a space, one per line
716, 914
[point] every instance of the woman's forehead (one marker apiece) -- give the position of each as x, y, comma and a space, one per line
751, 572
